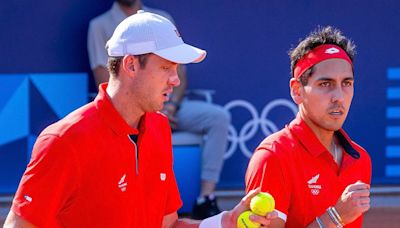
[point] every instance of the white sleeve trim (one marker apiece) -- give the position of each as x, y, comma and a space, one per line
281, 215
213, 222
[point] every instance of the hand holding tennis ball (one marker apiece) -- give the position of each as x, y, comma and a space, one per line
245, 222
262, 203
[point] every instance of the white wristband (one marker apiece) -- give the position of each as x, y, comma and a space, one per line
213, 222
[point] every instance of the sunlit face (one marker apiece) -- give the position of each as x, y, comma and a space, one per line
325, 101
154, 83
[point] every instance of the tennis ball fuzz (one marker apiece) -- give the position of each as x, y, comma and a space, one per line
262, 203
245, 222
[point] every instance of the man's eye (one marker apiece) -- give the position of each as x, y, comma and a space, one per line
325, 84
347, 83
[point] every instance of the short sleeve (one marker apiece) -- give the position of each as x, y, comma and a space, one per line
96, 41
174, 201
366, 165
265, 171
48, 183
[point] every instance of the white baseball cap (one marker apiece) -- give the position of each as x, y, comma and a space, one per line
146, 32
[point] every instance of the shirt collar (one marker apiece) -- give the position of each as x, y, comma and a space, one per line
110, 115
312, 144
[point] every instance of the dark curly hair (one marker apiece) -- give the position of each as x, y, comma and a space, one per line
322, 35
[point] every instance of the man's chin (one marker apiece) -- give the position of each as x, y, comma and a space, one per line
158, 108
335, 127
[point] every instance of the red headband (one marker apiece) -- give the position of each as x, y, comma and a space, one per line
317, 55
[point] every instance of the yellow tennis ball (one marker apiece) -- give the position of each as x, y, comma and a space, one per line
262, 203
245, 222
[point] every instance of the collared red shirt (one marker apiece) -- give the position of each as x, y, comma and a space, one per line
302, 175
84, 171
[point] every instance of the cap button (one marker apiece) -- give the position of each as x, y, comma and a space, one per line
140, 11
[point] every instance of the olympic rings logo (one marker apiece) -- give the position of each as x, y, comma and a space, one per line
250, 128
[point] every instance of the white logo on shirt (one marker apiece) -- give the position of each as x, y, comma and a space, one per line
28, 198
313, 180
314, 188
122, 183
331, 50
163, 176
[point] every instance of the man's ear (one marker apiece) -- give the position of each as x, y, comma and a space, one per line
296, 90
128, 63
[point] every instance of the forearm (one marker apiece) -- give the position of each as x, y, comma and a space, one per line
186, 223
15, 221
221, 220
325, 222
225, 219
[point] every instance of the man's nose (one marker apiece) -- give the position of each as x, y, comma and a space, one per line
338, 94
174, 79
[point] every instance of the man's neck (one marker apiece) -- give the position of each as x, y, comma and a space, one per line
327, 138
323, 135
130, 10
124, 105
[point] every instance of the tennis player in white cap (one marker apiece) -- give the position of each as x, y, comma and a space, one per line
109, 163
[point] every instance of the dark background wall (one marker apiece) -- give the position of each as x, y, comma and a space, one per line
247, 44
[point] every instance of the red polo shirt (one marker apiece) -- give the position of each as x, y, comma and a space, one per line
84, 171
301, 174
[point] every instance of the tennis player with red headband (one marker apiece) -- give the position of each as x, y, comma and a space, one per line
317, 174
